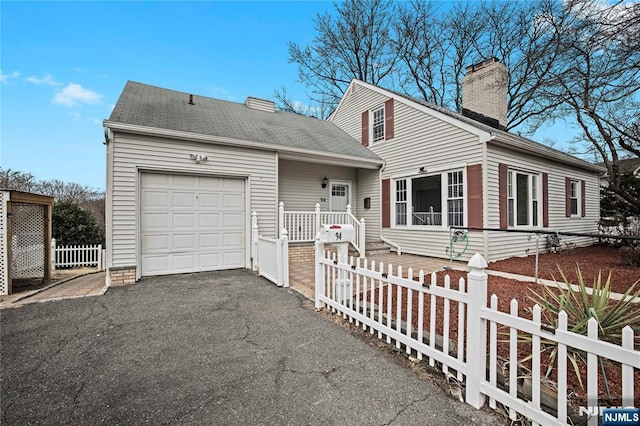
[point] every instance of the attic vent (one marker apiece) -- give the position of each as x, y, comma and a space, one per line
260, 104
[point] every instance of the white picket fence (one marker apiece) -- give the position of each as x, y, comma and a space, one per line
304, 225
75, 256
270, 255
363, 293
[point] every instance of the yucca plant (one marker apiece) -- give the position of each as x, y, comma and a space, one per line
580, 306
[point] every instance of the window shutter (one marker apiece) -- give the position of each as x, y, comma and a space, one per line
567, 194
502, 195
386, 203
388, 119
474, 196
545, 200
365, 128
583, 209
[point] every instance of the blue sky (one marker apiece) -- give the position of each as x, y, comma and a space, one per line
64, 65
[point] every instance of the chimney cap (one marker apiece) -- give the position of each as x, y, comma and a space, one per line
479, 65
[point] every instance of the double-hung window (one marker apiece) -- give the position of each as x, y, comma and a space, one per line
433, 200
378, 124
523, 198
574, 197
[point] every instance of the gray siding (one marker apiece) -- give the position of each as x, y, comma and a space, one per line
420, 140
132, 153
502, 244
300, 185
369, 187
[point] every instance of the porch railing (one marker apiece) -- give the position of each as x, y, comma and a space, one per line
270, 256
304, 225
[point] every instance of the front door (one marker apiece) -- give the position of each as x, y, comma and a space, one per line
339, 196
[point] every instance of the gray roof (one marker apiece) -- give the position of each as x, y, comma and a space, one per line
155, 107
509, 139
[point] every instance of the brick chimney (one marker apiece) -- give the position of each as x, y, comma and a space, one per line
484, 90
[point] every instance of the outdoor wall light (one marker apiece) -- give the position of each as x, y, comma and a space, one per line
325, 181
422, 170
198, 158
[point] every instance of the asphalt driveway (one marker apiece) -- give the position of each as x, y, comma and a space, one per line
210, 348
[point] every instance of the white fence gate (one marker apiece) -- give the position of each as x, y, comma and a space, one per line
74, 256
270, 255
364, 294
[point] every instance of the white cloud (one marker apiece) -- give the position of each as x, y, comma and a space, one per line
47, 79
4, 78
74, 94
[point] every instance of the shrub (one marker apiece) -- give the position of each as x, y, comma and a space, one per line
612, 315
73, 225
630, 255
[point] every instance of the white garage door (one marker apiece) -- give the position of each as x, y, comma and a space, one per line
191, 224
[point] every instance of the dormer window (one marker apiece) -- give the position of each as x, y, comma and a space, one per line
378, 124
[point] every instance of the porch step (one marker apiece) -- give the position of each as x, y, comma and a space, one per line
372, 248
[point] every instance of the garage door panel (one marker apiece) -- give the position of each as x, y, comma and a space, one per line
153, 180
209, 200
232, 220
234, 259
234, 185
232, 201
208, 220
155, 243
191, 224
184, 200
209, 241
155, 199
155, 221
184, 242
184, 220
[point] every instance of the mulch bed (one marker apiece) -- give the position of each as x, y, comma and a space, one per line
590, 260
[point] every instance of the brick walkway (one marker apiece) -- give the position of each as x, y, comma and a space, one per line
302, 274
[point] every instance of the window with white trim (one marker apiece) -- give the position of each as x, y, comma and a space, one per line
401, 202
523, 195
428, 196
378, 124
575, 197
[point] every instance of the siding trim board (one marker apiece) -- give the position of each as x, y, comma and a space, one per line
503, 170
474, 196
545, 200
365, 128
386, 203
388, 119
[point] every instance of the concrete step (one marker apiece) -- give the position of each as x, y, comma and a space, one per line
371, 248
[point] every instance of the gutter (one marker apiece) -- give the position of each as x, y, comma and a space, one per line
222, 140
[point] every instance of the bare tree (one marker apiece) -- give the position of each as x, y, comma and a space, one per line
17, 180
318, 109
356, 43
597, 80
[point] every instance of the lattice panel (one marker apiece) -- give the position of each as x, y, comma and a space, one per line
4, 278
27, 241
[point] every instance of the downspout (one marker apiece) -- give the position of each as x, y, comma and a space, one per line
108, 142
382, 238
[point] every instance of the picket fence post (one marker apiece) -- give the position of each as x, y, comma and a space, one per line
53, 254
285, 257
319, 287
254, 240
280, 219
476, 330
317, 211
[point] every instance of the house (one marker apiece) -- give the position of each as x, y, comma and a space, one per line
447, 169
185, 172
628, 167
